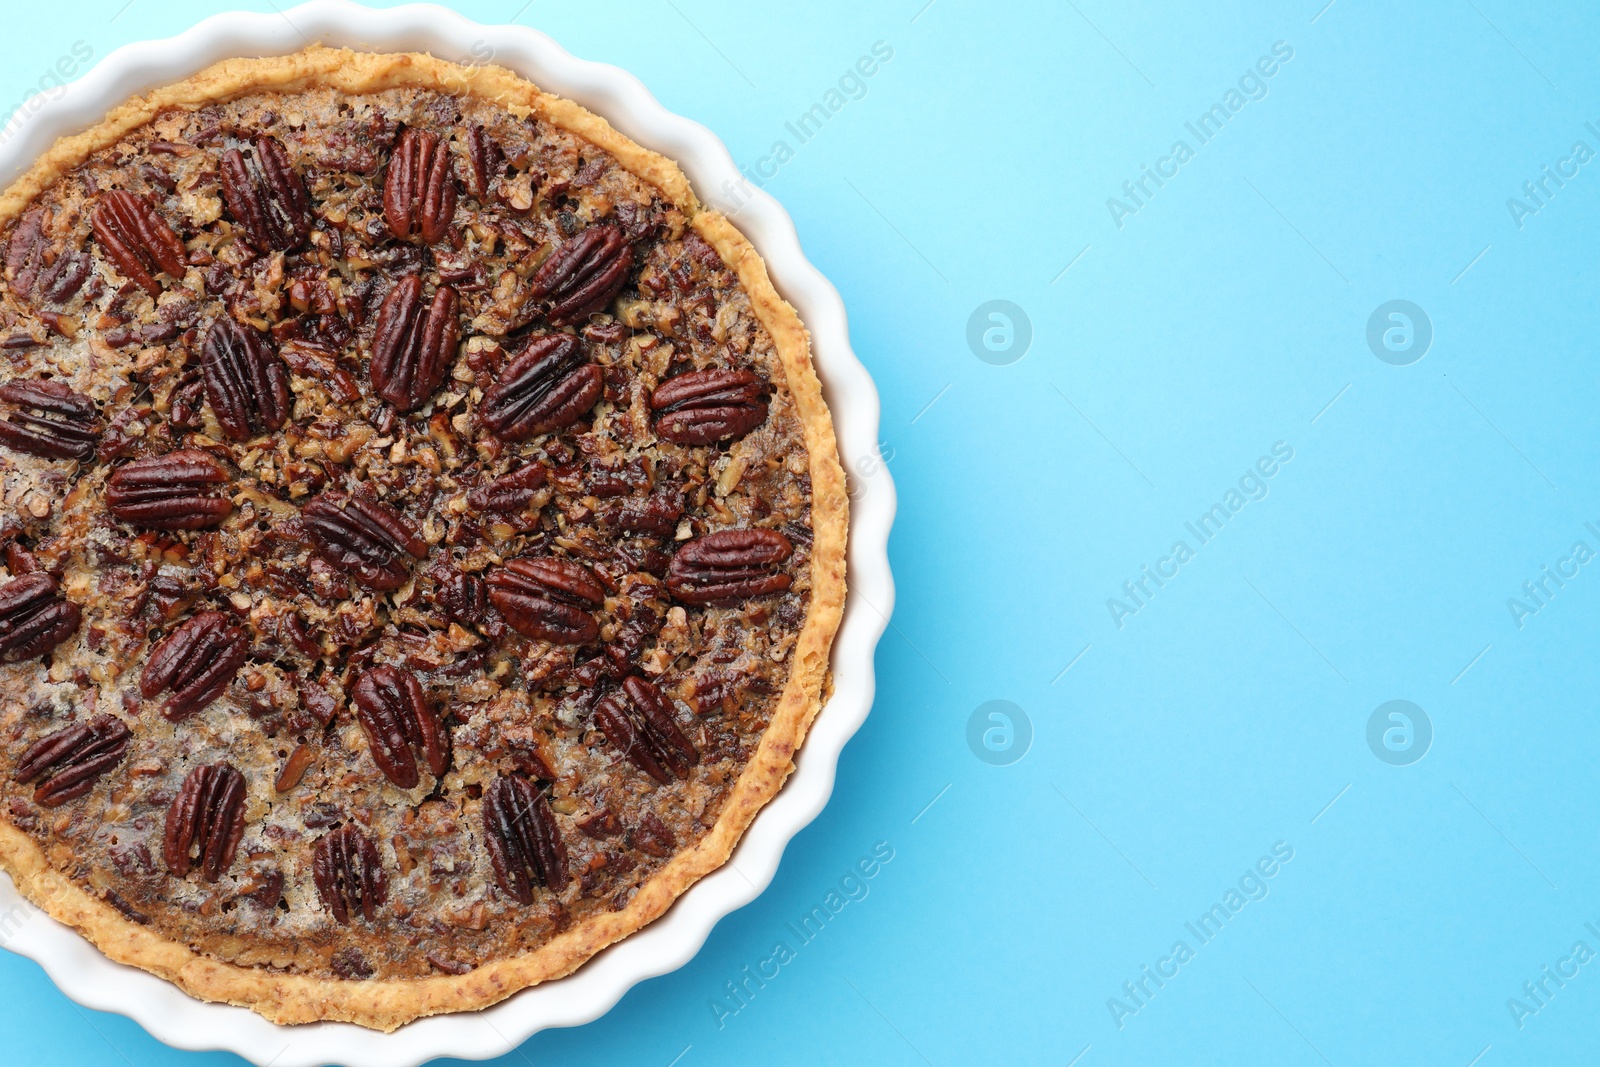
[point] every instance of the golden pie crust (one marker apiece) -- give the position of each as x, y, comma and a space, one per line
385, 1004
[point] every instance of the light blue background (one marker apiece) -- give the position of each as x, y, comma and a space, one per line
1229, 712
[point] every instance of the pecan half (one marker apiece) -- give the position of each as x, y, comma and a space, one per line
349, 875
394, 712
34, 267
72, 759
657, 515
363, 538
581, 277
137, 239
640, 722
63, 280
413, 348
600, 824
419, 191
34, 617
197, 662
184, 489
546, 387
268, 199
723, 568
548, 599
27, 249
525, 847
246, 382
51, 420
484, 160
205, 822
509, 493
706, 406
464, 598
652, 836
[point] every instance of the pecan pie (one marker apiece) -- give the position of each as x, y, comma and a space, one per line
422, 535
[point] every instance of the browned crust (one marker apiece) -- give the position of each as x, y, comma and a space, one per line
386, 1005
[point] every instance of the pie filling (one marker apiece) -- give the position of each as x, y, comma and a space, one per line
406, 530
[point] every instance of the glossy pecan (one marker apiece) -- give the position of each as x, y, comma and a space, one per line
656, 515
349, 875
266, 196
652, 836
137, 239
197, 662
27, 249
639, 721
72, 759
581, 277
509, 493
49, 420
34, 617
419, 191
484, 160
721, 569
706, 406
36, 268
545, 387
363, 538
19, 560
414, 346
548, 599
66, 276
600, 824
294, 768
524, 844
245, 380
399, 724
205, 822
181, 490
464, 598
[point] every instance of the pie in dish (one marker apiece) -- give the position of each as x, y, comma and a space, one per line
423, 535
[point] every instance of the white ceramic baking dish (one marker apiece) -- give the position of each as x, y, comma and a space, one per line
88, 977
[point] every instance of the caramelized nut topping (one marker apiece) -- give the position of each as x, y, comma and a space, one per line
395, 714
582, 276
548, 599
547, 387
509, 493
484, 160
362, 538
413, 348
245, 380
137, 239
294, 768
419, 192
266, 196
205, 822
349, 875
72, 759
721, 569
361, 451
197, 662
640, 723
34, 617
464, 598
50, 420
175, 491
524, 844
707, 406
